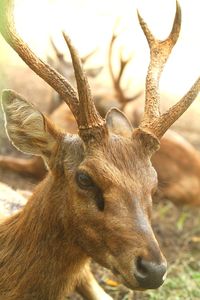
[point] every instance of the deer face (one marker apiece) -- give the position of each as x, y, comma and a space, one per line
111, 205
110, 197
105, 188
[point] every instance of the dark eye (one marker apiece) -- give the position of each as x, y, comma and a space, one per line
84, 181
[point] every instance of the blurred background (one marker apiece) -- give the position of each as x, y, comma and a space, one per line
90, 24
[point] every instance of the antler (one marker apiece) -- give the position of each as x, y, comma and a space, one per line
59, 54
85, 58
82, 107
88, 116
152, 121
117, 79
90, 72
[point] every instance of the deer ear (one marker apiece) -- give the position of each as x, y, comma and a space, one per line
148, 140
28, 129
118, 123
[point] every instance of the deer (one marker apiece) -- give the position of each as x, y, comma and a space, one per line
96, 200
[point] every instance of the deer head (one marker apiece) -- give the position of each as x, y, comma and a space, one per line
102, 178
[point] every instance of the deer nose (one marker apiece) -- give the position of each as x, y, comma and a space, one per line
150, 275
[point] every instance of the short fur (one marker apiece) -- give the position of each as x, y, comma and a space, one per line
45, 248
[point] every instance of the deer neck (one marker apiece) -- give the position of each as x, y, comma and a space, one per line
37, 252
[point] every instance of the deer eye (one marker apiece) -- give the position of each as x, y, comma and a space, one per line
84, 181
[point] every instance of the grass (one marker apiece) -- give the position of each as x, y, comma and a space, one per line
183, 283
183, 280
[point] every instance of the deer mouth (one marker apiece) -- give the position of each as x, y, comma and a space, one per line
123, 279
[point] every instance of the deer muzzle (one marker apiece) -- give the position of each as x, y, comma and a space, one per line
140, 263
149, 274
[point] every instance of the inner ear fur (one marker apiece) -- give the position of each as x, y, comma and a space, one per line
27, 128
118, 123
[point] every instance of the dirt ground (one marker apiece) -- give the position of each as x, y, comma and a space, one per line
177, 228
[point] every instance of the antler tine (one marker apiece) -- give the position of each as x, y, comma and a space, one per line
59, 54
159, 53
117, 79
123, 64
113, 38
117, 83
91, 72
168, 118
53, 78
122, 98
85, 58
61, 58
88, 116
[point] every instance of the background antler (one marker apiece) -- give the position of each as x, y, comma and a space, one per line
116, 79
82, 107
93, 72
59, 54
152, 121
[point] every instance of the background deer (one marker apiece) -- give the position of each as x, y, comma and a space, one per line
96, 199
65, 67
177, 162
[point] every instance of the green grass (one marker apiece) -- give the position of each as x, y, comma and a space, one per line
181, 228
183, 286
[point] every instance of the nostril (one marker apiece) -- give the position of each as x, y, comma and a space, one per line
141, 269
149, 274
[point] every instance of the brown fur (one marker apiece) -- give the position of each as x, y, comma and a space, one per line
37, 255
177, 162
46, 247
96, 200
178, 166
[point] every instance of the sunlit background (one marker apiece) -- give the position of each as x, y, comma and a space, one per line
90, 24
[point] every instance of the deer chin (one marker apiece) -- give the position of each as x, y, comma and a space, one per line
126, 275
123, 274
124, 280
129, 280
